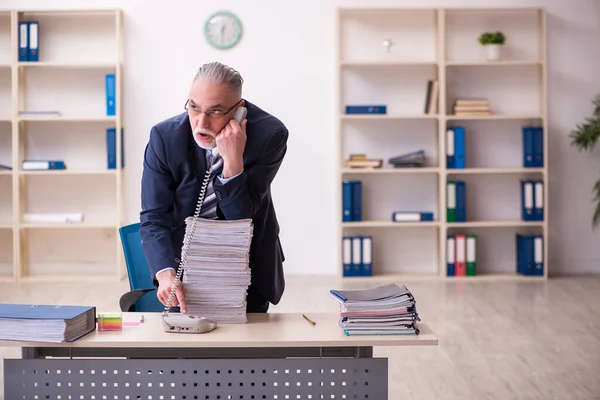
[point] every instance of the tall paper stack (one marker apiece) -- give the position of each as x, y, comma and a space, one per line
384, 310
216, 272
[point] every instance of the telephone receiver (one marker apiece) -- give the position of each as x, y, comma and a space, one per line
181, 323
239, 116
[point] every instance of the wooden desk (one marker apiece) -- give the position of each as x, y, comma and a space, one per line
272, 356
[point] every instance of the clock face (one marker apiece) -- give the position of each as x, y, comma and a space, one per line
223, 30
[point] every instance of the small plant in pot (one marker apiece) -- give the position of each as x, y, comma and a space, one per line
493, 42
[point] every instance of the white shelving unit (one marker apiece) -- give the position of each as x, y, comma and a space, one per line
441, 44
77, 48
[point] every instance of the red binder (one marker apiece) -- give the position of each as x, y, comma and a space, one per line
461, 246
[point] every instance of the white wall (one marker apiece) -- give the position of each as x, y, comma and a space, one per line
290, 70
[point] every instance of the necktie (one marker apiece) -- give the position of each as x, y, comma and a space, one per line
209, 207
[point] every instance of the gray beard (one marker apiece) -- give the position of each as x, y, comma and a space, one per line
201, 145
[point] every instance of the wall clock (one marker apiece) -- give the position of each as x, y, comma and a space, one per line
223, 30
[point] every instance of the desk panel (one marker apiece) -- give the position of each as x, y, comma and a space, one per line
243, 379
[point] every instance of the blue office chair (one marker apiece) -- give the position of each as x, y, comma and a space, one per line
142, 297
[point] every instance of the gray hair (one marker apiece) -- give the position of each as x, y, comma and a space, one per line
219, 73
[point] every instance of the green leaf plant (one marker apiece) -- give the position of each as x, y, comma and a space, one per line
584, 137
492, 38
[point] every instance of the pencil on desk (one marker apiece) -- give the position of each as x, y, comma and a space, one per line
310, 321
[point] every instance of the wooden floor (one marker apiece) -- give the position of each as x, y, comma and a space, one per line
497, 340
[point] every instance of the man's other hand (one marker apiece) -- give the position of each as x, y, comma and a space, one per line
165, 284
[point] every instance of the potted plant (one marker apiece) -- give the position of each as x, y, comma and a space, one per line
584, 137
493, 42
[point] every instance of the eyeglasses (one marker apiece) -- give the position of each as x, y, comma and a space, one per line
214, 113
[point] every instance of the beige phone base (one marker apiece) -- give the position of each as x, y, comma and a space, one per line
182, 323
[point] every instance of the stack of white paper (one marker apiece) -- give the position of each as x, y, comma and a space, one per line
384, 310
216, 272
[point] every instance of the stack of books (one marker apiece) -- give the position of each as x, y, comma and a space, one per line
216, 271
468, 107
383, 310
361, 161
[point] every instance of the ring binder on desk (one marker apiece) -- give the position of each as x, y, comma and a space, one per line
46, 322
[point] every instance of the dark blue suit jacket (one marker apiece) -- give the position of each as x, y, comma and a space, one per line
174, 168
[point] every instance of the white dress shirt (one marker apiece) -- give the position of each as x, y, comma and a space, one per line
208, 153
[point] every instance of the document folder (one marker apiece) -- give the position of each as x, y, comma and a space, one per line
34, 33
383, 310
46, 323
23, 41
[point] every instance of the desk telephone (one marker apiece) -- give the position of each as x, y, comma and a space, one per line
189, 323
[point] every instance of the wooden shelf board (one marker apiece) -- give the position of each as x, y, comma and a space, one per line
400, 277
390, 224
69, 12
6, 225
390, 170
384, 63
499, 170
495, 224
361, 11
5, 119
475, 63
70, 278
5, 172
79, 225
387, 116
68, 172
496, 277
60, 118
492, 9
493, 117
403, 277
67, 65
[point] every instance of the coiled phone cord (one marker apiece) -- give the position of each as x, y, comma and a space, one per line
188, 238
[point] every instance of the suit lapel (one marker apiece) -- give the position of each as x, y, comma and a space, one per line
197, 158
199, 164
